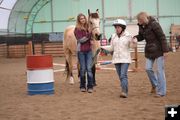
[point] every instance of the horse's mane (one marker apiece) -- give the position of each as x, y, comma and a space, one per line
94, 15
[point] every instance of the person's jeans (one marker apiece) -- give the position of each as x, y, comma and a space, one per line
158, 79
122, 69
85, 60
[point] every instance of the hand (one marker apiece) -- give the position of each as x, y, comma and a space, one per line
134, 37
88, 35
92, 42
134, 40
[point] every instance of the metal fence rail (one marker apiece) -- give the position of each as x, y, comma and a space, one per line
56, 48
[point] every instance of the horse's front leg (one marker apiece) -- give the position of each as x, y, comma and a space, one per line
71, 79
94, 74
78, 69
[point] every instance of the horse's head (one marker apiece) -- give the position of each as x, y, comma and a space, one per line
94, 24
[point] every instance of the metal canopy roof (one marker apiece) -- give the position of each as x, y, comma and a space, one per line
18, 15
5, 9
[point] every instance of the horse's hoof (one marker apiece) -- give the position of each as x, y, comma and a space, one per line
71, 81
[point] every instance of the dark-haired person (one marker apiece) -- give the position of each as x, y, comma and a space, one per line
121, 41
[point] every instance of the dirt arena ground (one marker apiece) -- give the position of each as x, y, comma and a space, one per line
68, 103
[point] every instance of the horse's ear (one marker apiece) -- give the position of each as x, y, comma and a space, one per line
97, 10
89, 12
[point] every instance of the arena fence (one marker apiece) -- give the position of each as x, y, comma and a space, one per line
17, 51
55, 48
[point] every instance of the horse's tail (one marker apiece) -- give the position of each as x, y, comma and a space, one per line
68, 43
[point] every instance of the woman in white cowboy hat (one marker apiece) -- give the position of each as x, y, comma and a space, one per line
121, 42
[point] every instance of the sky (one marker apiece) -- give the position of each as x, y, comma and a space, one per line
4, 14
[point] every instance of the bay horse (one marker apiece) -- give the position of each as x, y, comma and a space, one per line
70, 44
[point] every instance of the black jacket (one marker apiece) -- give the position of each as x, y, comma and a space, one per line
156, 43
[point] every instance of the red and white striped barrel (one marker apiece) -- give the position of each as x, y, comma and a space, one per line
40, 76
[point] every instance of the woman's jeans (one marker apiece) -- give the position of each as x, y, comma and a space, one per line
122, 69
85, 60
158, 79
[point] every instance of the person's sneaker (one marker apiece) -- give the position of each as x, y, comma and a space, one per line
159, 96
82, 89
94, 84
90, 90
123, 95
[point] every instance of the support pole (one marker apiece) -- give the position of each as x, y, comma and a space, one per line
130, 10
30, 49
52, 17
157, 6
103, 18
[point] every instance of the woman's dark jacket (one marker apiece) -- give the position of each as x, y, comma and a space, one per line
156, 43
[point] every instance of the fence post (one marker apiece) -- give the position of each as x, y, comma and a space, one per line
7, 50
136, 58
42, 47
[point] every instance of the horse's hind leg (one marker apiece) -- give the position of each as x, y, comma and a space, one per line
69, 67
67, 70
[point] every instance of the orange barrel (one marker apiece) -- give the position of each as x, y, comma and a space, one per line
40, 76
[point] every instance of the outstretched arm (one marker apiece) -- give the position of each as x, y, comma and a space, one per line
139, 37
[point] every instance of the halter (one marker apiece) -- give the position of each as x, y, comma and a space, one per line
93, 37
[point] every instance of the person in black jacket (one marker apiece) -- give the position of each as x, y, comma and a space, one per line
155, 49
